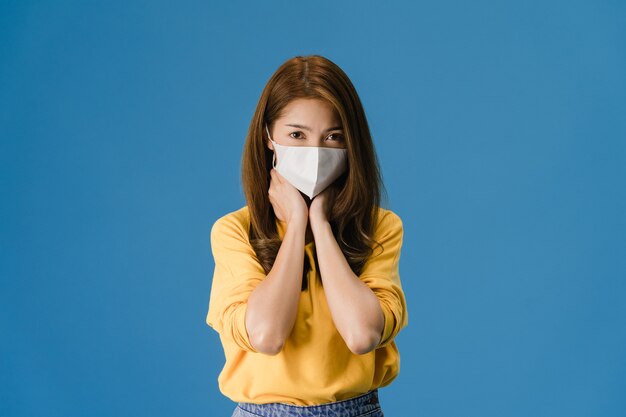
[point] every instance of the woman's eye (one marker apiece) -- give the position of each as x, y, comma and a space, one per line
338, 136
296, 133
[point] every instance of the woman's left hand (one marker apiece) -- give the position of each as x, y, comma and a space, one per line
318, 211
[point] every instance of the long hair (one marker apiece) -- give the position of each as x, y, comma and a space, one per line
354, 197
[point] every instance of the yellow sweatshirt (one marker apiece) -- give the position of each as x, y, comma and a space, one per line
315, 365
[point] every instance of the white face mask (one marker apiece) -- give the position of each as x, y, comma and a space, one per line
309, 168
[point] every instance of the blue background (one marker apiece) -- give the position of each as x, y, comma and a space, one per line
500, 128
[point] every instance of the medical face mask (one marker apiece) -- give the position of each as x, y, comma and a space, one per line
309, 168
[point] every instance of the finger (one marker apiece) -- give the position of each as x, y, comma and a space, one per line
280, 177
275, 174
272, 176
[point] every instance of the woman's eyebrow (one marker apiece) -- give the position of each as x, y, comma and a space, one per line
309, 129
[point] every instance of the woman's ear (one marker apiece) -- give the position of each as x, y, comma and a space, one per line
268, 142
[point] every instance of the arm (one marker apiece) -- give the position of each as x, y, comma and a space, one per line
381, 274
273, 305
354, 314
355, 308
258, 311
240, 284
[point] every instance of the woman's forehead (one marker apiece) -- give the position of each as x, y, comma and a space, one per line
309, 112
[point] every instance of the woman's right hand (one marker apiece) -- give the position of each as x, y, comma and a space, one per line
288, 203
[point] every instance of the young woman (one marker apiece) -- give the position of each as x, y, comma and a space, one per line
306, 293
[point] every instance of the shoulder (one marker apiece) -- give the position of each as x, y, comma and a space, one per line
388, 222
234, 223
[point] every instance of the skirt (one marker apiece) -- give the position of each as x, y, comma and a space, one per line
365, 405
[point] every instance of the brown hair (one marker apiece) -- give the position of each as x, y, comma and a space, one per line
354, 197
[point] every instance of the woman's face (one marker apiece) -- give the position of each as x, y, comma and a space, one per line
308, 122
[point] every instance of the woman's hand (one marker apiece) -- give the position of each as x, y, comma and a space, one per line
318, 211
286, 199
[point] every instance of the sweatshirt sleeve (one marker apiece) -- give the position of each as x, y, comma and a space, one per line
381, 274
237, 272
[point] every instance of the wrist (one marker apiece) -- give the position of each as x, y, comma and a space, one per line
319, 226
298, 222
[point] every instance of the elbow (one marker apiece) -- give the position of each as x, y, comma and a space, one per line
263, 338
363, 344
267, 344
368, 339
